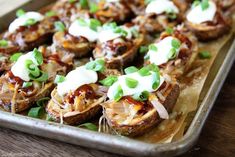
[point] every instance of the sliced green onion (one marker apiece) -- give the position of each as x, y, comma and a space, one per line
30, 22
35, 112
144, 71
205, 55
135, 33
171, 14
156, 80
172, 54
94, 24
204, 4
20, 12
93, 7
130, 70
147, 1
89, 126
131, 83
196, 3
41, 102
152, 47
175, 43
121, 31
143, 96
82, 22
143, 49
59, 26
169, 30
38, 56
110, 25
50, 13
49, 118
96, 65
72, 1
32, 68
84, 4
59, 79
27, 84
42, 78
15, 57
153, 67
3, 43
118, 93
109, 81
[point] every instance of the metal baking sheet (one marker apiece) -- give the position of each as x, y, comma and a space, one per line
122, 145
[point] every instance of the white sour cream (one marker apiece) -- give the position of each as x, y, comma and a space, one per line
85, 31
161, 55
160, 6
21, 21
76, 78
197, 15
19, 69
144, 84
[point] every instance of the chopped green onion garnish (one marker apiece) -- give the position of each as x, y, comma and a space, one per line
42, 78
110, 25
82, 22
175, 43
196, 3
50, 13
118, 93
89, 126
38, 56
143, 49
121, 31
20, 12
205, 55
171, 14
30, 22
96, 65
84, 4
35, 112
130, 70
3, 43
49, 118
156, 80
93, 7
59, 26
15, 57
204, 4
109, 81
152, 47
94, 24
72, 1
131, 83
144, 71
143, 96
153, 67
59, 79
147, 1
172, 54
27, 84
41, 102
169, 30
32, 68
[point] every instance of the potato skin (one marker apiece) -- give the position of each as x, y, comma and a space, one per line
152, 120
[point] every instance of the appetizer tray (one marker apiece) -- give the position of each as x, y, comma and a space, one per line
120, 144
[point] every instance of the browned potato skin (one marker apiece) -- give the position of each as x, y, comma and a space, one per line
126, 58
26, 103
207, 32
78, 46
145, 125
76, 118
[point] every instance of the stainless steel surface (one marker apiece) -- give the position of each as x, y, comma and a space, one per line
123, 145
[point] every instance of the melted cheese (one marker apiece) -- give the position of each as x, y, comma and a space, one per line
19, 69
144, 84
161, 55
76, 78
85, 31
197, 15
160, 6
21, 21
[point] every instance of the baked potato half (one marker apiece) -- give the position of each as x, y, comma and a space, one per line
134, 114
118, 49
29, 79
174, 51
77, 99
211, 23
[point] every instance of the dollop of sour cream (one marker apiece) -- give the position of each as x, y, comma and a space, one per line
21, 21
76, 29
197, 15
161, 6
144, 84
109, 34
76, 78
19, 69
163, 49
